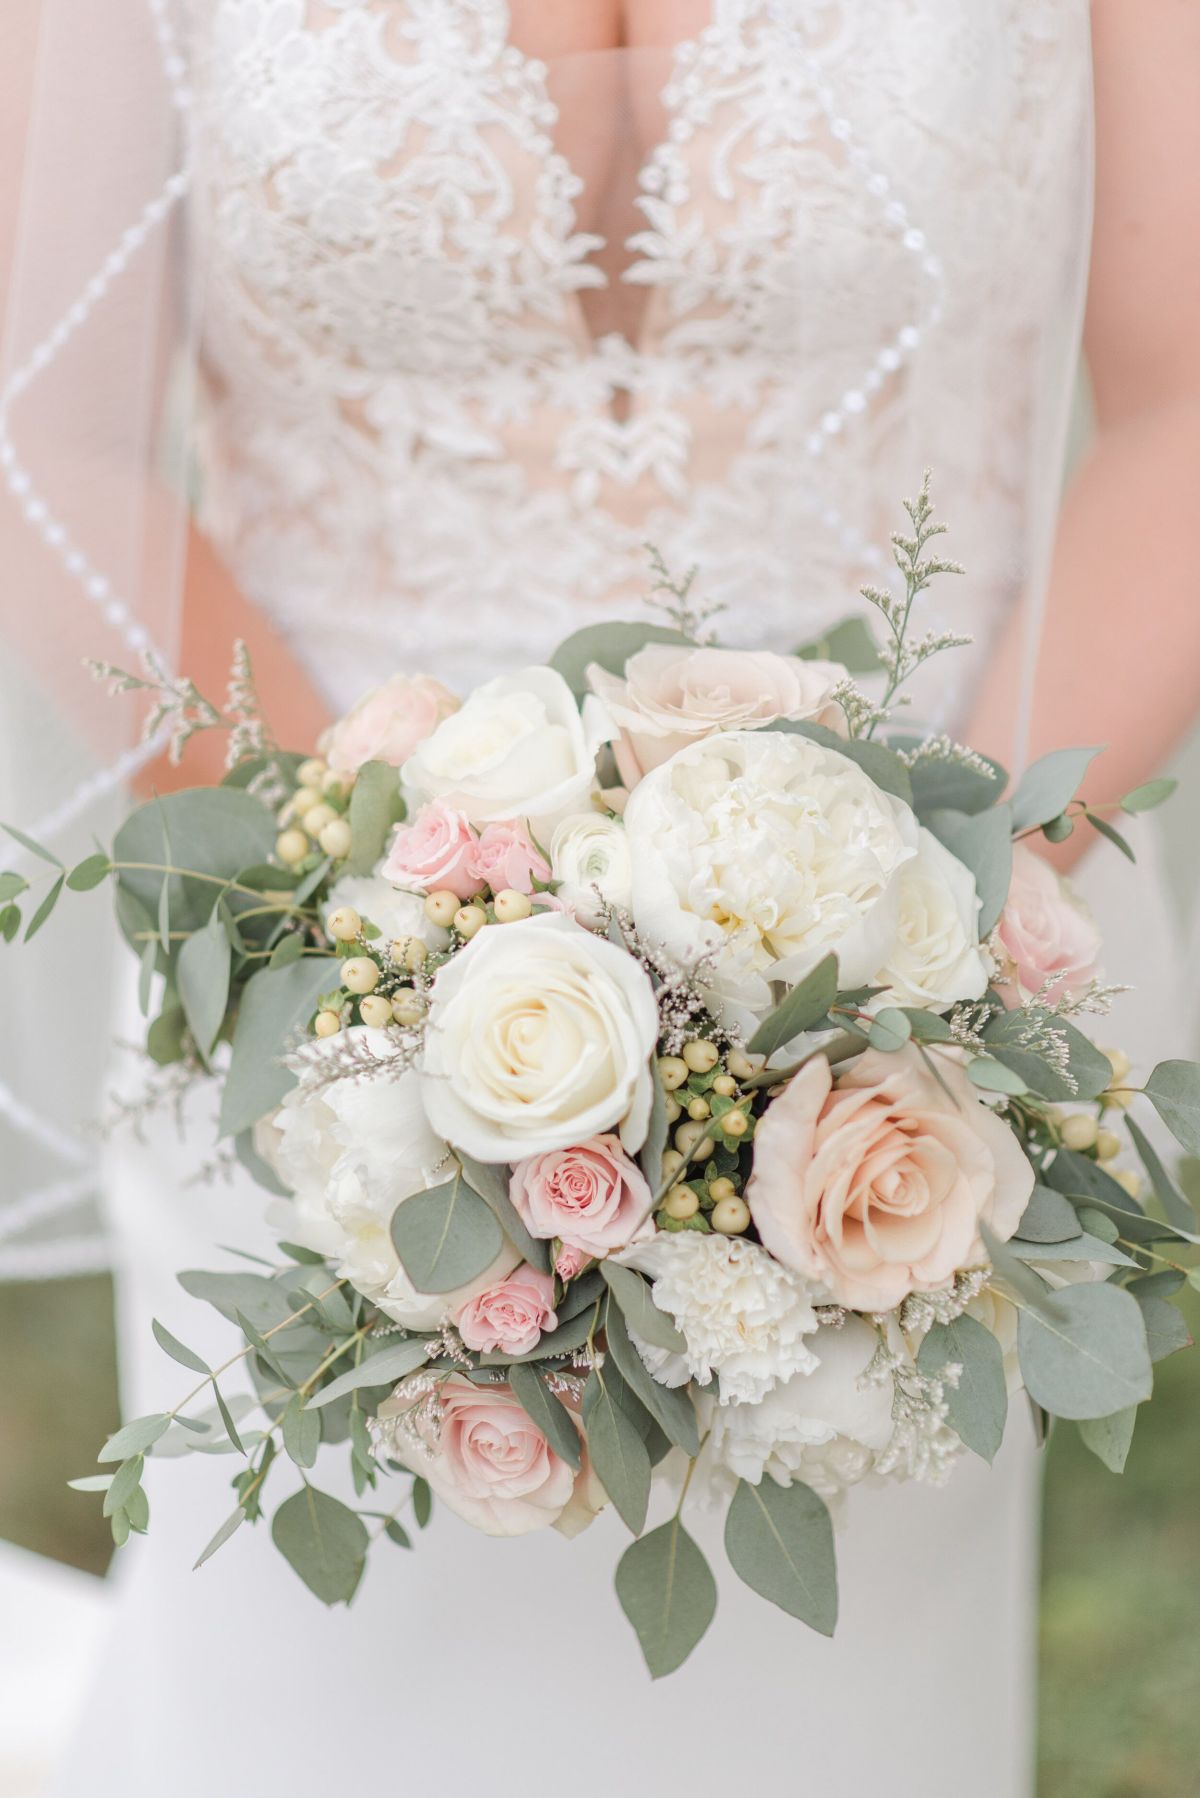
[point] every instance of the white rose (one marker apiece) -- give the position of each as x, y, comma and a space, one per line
352, 1151
395, 914
516, 749
589, 855
936, 959
824, 1428
539, 1036
763, 851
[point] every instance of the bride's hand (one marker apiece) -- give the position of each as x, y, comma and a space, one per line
216, 615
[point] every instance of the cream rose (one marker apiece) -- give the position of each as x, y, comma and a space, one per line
671, 695
763, 851
539, 1036
589, 856
351, 1152
936, 959
486, 1459
876, 1186
387, 724
516, 749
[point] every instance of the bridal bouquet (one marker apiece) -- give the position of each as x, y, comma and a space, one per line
660, 1060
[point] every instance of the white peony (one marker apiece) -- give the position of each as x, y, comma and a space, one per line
589, 855
539, 1036
764, 851
743, 1316
395, 914
936, 959
351, 1152
825, 1428
516, 749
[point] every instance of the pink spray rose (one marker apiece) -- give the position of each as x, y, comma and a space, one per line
569, 1263
592, 1196
506, 856
510, 1317
875, 1185
388, 723
672, 695
486, 1458
1047, 931
434, 851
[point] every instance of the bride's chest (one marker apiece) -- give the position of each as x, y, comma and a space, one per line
396, 184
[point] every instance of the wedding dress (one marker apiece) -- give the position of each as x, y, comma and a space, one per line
472, 332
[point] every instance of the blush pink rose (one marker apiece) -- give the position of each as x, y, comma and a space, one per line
592, 1196
434, 851
874, 1186
506, 856
1047, 931
510, 1317
486, 1458
570, 1262
672, 695
388, 723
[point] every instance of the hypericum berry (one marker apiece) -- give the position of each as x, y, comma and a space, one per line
339, 783
303, 800
731, 1216
408, 1007
291, 846
408, 952
1126, 1178
512, 907
701, 1056
375, 1011
692, 1141
335, 838
1120, 1064
327, 1023
699, 1109
673, 1108
672, 1163
345, 924
725, 1086
318, 817
721, 1189
469, 920
312, 772
735, 1123
681, 1203
441, 906
739, 1065
1079, 1131
360, 974
672, 1071
1108, 1144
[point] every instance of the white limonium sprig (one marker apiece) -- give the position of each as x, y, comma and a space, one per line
923, 1446
672, 595
179, 708
921, 1310
942, 748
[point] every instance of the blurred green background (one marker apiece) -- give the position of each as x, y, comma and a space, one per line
1120, 1637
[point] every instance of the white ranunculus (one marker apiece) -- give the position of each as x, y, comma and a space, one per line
763, 851
936, 959
516, 749
742, 1314
539, 1036
394, 913
351, 1152
589, 855
825, 1428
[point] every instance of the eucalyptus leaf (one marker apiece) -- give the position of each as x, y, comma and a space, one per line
203, 975
616, 1448
671, 1407
890, 1030
880, 764
177, 1350
609, 646
1048, 786
947, 785
1166, 1327
1079, 1248
1148, 795
1109, 1437
376, 806
274, 1005
806, 1004
18, 836
1174, 1091
492, 1185
88, 873
223, 830
231, 1525
668, 1593
548, 1413
1091, 1357
382, 1369
324, 1541
993, 1076
135, 1437
779, 1540
45, 908
1010, 1270
1048, 1217
1176, 1207
1087, 1070
651, 1154
927, 1026
642, 1315
125, 1483
11, 885
977, 1408
301, 1432
1112, 834
849, 643
260, 1299
983, 843
446, 1236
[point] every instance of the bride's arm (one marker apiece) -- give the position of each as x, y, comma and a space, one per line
1120, 657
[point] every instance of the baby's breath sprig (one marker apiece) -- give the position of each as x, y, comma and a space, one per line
672, 595
941, 748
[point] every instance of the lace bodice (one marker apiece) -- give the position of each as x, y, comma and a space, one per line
477, 330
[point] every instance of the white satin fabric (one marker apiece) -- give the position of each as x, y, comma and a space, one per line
470, 331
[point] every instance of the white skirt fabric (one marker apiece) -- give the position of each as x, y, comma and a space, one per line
507, 1666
